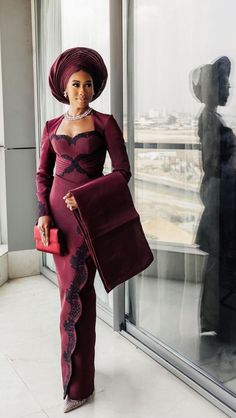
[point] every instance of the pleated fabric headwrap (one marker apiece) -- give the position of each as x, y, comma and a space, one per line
206, 77
71, 61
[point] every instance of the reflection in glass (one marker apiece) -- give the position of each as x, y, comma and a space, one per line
164, 302
217, 229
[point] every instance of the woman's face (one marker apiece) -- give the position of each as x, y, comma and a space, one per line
80, 89
224, 87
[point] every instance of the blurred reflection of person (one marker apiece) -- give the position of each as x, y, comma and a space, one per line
216, 233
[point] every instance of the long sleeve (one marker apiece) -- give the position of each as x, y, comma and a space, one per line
44, 175
116, 148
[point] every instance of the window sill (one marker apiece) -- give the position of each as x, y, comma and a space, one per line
3, 264
3, 249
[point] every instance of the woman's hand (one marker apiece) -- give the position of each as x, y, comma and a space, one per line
44, 223
70, 201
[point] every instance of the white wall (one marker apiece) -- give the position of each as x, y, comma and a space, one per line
17, 139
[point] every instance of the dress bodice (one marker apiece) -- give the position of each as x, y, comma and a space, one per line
78, 159
81, 155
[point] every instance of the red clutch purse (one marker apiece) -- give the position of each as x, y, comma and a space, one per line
56, 241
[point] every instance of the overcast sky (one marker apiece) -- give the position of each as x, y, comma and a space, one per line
172, 37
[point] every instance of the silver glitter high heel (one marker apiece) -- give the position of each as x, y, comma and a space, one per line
71, 404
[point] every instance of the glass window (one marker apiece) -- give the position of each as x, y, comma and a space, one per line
73, 23
81, 26
185, 148
167, 193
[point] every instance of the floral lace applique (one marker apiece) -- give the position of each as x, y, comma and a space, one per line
77, 262
42, 209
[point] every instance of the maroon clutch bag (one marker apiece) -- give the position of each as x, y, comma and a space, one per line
56, 241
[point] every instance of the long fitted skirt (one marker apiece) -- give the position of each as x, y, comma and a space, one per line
75, 274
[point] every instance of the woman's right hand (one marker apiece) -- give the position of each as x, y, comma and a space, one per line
44, 223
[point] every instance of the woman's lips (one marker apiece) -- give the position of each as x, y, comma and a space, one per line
81, 99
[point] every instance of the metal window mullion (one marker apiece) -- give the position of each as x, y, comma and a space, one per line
116, 106
130, 89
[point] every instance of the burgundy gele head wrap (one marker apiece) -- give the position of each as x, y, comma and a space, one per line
71, 61
205, 76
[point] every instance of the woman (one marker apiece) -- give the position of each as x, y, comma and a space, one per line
217, 229
76, 144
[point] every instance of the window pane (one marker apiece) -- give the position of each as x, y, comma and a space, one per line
81, 26
185, 180
75, 23
167, 193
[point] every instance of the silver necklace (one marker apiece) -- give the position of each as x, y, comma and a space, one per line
77, 117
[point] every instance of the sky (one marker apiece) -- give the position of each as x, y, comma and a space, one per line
172, 37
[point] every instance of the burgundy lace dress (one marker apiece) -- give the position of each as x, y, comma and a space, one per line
66, 163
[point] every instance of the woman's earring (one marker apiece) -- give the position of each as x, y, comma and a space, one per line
65, 94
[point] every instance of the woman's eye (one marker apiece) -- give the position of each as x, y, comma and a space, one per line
78, 85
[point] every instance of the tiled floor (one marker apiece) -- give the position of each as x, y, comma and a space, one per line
128, 383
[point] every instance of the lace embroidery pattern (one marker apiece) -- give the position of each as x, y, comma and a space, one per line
42, 209
73, 166
74, 162
77, 262
72, 140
